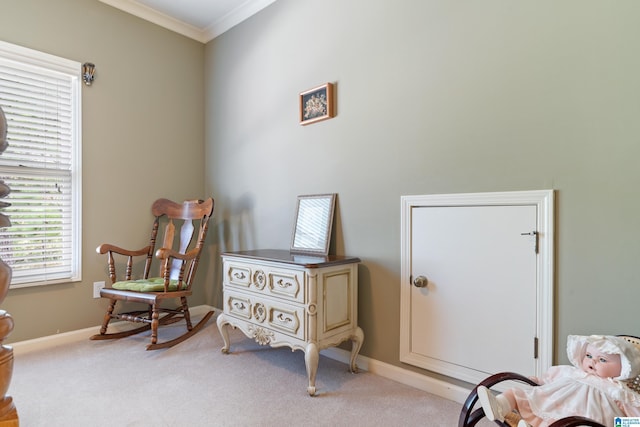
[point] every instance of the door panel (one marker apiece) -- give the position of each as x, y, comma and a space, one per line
482, 283
489, 294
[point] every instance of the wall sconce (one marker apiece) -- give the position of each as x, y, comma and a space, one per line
88, 70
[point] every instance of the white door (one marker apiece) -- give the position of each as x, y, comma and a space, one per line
473, 283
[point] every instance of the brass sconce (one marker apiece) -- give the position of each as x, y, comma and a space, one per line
88, 70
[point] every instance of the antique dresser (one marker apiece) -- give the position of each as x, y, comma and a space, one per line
280, 298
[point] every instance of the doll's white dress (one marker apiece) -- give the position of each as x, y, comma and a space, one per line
567, 390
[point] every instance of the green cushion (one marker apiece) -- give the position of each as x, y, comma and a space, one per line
155, 284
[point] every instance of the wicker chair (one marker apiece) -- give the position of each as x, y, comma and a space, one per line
470, 416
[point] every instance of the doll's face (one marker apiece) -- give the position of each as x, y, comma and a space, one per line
601, 364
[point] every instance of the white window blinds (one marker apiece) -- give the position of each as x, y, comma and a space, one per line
40, 96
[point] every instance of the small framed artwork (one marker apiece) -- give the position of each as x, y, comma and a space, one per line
313, 223
316, 104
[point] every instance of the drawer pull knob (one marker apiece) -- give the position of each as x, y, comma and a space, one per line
239, 305
284, 284
282, 318
239, 276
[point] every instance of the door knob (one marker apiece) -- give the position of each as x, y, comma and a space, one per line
420, 282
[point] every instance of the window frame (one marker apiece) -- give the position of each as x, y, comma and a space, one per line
71, 69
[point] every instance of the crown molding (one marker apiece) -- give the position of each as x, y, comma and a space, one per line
151, 15
228, 21
234, 17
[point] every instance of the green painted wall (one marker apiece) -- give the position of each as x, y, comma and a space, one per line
436, 96
433, 96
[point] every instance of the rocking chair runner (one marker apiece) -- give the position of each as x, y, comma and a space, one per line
178, 267
469, 416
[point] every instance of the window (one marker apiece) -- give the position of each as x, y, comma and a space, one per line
40, 96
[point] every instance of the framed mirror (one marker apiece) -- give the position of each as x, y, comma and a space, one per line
313, 222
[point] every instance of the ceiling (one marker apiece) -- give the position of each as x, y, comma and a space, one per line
201, 20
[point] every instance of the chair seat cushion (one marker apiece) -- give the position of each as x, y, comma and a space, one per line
155, 284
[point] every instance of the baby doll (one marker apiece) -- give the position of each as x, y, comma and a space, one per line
593, 387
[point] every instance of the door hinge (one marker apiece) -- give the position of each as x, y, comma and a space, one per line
535, 236
535, 347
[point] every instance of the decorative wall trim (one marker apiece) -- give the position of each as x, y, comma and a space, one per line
203, 35
403, 376
23, 347
233, 18
151, 15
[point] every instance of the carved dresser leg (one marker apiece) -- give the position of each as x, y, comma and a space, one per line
311, 359
224, 332
356, 343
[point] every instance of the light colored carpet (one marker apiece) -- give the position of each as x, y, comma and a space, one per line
118, 383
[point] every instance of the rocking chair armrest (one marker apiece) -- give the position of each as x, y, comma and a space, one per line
469, 417
165, 253
106, 247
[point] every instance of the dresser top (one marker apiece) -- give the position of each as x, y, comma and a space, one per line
288, 257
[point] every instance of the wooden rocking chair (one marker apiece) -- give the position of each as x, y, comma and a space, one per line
469, 416
179, 259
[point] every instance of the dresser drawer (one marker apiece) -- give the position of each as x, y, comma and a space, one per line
287, 284
237, 305
286, 319
239, 275
266, 280
280, 316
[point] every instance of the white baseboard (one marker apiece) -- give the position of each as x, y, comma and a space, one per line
395, 373
22, 347
413, 379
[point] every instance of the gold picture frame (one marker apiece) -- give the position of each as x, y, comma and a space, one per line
317, 104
